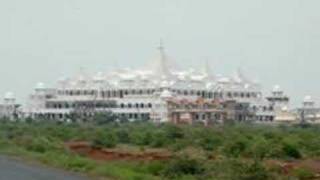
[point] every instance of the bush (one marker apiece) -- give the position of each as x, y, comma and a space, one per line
123, 136
254, 171
291, 151
159, 139
173, 132
183, 166
236, 148
302, 173
104, 140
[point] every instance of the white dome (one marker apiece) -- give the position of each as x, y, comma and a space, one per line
307, 99
62, 79
247, 86
284, 108
9, 96
166, 94
276, 88
164, 84
40, 86
224, 80
98, 77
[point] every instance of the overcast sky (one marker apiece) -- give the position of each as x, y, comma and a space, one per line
275, 41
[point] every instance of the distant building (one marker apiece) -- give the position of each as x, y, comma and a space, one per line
142, 94
9, 109
281, 104
309, 112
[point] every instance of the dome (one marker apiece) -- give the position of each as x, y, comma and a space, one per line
276, 88
9, 96
98, 77
164, 84
224, 80
166, 94
247, 86
62, 79
40, 86
284, 109
308, 99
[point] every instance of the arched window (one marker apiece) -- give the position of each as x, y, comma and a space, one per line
271, 108
149, 105
129, 105
264, 108
254, 108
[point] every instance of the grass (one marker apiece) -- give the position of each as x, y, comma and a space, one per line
222, 152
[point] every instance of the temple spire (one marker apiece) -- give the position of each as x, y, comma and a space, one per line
162, 70
207, 70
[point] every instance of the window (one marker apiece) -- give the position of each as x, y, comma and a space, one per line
198, 93
264, 108
271, 108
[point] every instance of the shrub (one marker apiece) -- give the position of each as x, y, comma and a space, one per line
159, 139
236, 148
302, 173
291, 151
123, 136
254, 171
210, 142
183, 166
104, 140
173, 132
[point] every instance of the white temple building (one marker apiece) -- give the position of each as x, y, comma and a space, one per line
309, 112
141, 93
9, 109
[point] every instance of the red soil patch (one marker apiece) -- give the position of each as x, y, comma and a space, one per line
85, 148
288, 167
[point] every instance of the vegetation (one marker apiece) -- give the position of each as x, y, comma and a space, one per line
232, 152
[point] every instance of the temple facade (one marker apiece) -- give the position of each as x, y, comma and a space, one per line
151, 93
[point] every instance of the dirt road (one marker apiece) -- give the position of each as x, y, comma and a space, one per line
12, 169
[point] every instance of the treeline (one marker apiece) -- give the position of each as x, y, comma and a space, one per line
238, 151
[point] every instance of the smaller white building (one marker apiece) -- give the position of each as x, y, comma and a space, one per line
9, 108
309, 112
